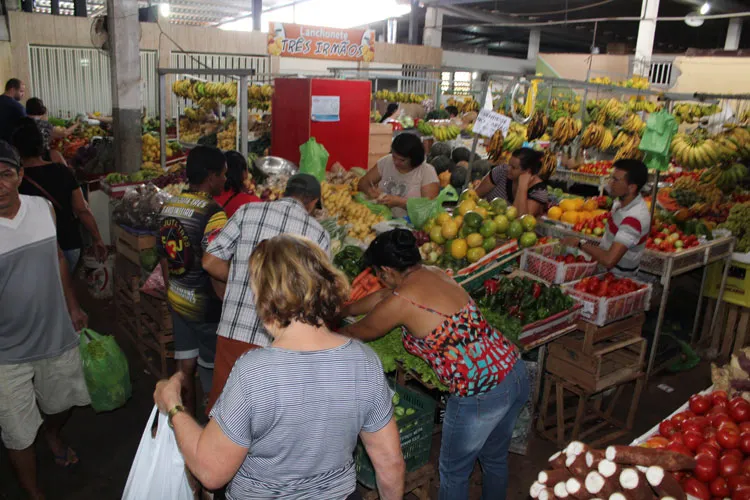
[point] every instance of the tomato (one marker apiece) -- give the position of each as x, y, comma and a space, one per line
691, 426
729, 425
700, 421
657, 442
721, 403
728, 438
733, 453
718, 396
729, 466
708, 449
706, 468
719, 487
684, 415
699, 404
739, 411
744, 427
746, 467
692, 439
736, 482
678, 438
667, 428
680, 448
695, 488
717, 410
745, 443
718, 418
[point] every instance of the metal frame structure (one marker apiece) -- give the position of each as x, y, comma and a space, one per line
242, 102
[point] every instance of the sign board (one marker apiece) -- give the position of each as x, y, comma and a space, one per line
314, 42
325, 108
488, 122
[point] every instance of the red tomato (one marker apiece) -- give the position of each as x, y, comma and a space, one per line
680, 448
706, 468
692, 439
708, 449
699, 404
733, 453
741, 493
736, 482
658, 442
719, 396
691, 426
717, 410
709, 432
718, 418
721, 403
729, 425
695, 488
728, 438
719, 487
746, 467
677, 419
667, 428
701, 421
739, 411
729, 466
744, 427
745, 443
678, 438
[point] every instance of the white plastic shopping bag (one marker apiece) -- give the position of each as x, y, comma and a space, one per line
158, 470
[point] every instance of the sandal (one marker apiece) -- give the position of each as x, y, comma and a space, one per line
66, 459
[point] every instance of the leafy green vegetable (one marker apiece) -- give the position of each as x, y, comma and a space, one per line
350, 261
390, 349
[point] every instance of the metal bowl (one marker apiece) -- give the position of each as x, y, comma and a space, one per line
273, 165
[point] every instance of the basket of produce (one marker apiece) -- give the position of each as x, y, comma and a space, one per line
606, 298
524, 310
557, 264
415, 417
474, 275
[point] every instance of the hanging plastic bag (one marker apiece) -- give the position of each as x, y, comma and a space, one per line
313, 159
420, 210
657, 138
375, 208
158, 469
105, 369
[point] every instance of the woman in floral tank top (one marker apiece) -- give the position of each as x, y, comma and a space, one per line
442, 325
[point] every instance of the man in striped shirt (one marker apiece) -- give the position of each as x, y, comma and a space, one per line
629, 223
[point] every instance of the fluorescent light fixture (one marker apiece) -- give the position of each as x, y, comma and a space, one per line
164, 10
705, 8
329, 13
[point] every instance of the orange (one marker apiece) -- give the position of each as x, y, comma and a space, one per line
443, 218
466, 206
571, 217
554, 213
590, 205
449, 229
474, 240
459, 248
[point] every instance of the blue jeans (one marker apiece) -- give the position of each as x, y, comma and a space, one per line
481, 427
72, 256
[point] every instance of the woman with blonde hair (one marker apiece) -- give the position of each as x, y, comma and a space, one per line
287, 422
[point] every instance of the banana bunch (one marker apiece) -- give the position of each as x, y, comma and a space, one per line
593, 136
465, 106
691, 113
694, 151
404, 97
629, 150
740, 137
425, 128
640, 103
537, 125
495, 147
514, 139
634, 124
259, 92
725, 176
549, 165
565, 130
745, 117
563, 107
116, 178
445, 133
602, 80
195, 114
621, 139
615, 110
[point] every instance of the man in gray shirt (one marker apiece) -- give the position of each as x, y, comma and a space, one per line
40, 368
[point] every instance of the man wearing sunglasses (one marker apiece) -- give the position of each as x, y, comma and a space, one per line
629, 223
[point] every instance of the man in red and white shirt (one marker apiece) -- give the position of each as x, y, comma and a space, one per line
629, 223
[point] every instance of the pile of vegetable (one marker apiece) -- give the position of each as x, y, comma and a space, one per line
390, 349
509, 304
349, 260
739, 223
607, 286
734, 377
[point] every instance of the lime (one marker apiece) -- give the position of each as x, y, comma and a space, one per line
527, 239
502, 223
466, 206
436, 235
449, 229
489, 244
469, 194
499, 205
482, 211
474, 240
473, 220
459, 248
515, 230
443, 218
511, 213
488, 228
474, 254
528, 222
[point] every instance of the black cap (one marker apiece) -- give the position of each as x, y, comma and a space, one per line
9, 156
303, 184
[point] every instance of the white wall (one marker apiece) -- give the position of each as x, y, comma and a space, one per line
319, 67
481, 62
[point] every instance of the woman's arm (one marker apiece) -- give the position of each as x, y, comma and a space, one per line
485, 186
383, 318
369, 183
62, 134
82, 210
366, 304
430, 190
523, 203
384, 449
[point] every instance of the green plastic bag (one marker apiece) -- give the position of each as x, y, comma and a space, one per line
105, 369
420, 210
375, 208
657, 138
313, 159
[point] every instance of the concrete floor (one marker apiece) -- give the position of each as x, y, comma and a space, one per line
106, 443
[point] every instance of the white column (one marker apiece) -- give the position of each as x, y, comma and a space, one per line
733, 34
644, 46
535, 37
433, 27
125, 69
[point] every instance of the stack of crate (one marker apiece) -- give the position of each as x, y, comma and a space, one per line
126, 283
593, 363
157, 339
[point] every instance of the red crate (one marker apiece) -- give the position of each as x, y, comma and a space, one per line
603, 310
540, 261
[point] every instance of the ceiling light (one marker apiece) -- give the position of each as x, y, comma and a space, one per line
705, 8
164, 10
694, 20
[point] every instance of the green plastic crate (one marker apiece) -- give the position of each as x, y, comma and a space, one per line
415, 431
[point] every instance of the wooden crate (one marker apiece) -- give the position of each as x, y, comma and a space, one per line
606, 364
156, 347
127, 310
594, 334
130, 245
730, 333
418, 483
588, 409
157, 311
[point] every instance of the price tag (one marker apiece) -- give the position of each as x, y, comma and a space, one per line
588, 308
489, 122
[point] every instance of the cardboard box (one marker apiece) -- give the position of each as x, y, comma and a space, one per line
381, 129
380, 144
737, 290
373, 159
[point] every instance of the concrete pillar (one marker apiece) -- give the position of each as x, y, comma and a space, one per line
391, 30
733, 34
79, 8
27, 5
413, 22
257, 12
55, 7
535, 37
644, 46
433, 27
125, 70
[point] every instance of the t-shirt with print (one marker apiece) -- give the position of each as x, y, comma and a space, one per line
629, 226
504, 188
34, 319
299, 413
188, 223
408, 185
45, 128
59, 182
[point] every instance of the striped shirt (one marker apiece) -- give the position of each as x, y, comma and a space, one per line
251, 224
629, 226
300, 413
504, 188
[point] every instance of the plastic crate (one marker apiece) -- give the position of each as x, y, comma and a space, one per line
415, 432
604, 310
540, 261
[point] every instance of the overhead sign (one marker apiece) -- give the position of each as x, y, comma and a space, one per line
488, 122
315, 42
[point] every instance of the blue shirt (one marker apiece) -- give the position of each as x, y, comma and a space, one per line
11, 112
